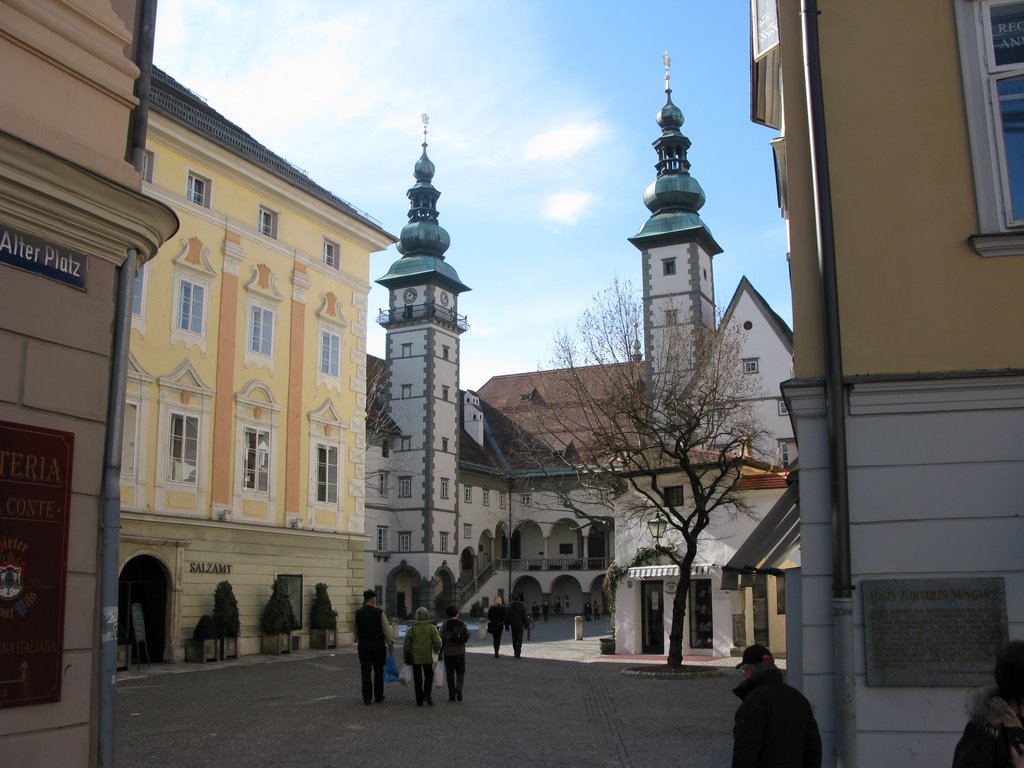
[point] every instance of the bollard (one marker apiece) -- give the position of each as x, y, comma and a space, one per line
579, 627
482, 631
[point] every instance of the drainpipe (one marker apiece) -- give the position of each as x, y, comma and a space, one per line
110, 524
842, 586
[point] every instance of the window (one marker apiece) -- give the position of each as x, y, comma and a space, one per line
467, 531
992, 63
131, 418
406, 443
406, 391
147, 165
404, 542
138, 292
183, 451
382, 484
565, 548
385, 448
783, 410
668, 266
444, 392
332, 254
405, 487
444, 444
261, 330
486, 498
327, 474
525, 499
198, 190
444, 542
467, 494
407, 350
784, 454
501, 501
191, 306
674, 495
445, 351
444, 487
382, 538
330, 354
266, 222
751, 365
256, 460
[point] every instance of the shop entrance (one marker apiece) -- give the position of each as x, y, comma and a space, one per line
143, 581
652, 612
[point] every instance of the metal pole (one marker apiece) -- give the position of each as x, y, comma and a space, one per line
842, 586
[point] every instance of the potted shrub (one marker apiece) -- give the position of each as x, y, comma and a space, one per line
323, 621
203, 645
226, 625
278, 621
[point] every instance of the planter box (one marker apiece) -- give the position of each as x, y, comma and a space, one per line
607, 645
200, 651
322, 639
275, 645
228, 648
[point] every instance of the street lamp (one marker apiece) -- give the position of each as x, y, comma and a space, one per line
657, 526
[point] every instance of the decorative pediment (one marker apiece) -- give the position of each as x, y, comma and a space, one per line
257, 394
195, 256
330, 310
185, 378
263, 281
135, 369
326, 414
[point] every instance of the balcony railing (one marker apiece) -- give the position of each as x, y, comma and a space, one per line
390, 317
557, 564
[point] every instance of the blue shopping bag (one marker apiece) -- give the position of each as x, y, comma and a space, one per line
390, 669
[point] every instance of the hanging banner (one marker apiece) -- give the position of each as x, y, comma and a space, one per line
35, 501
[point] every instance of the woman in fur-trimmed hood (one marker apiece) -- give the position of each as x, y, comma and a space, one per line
993, 736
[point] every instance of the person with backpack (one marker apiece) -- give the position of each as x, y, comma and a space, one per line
454, 636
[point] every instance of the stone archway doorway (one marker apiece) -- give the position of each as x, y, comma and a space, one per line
143, 581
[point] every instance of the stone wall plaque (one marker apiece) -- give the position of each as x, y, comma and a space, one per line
933, 632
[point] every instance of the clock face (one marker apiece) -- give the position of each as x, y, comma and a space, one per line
444, 298
409, 295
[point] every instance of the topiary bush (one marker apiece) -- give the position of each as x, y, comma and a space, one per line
204, 629
322, 614
225, 612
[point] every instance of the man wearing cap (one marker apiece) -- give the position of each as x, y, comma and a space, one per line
775, 725
373, 641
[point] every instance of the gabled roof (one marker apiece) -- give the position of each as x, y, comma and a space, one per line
780, 326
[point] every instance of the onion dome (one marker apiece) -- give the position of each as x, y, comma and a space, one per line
674, 197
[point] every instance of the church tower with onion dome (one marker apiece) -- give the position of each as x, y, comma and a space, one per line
676, 246
422, 358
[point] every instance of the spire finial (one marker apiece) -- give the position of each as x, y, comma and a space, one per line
426, 119
668, 64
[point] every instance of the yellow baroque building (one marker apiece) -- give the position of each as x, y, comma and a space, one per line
244, 440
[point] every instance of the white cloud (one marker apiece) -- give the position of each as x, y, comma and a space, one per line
565, 142
566, 207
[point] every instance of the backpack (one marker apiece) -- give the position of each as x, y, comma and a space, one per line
456, 632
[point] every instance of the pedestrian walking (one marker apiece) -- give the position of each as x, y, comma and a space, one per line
993, 736
454, 636
775, 726
517, 621
588, 612
496, 623
422, 643
544, 610
373, 643
535, 610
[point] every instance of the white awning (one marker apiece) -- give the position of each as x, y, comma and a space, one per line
653, 571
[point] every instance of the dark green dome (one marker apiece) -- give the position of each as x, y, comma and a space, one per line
678, 191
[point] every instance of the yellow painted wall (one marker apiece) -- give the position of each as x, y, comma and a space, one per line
914, 297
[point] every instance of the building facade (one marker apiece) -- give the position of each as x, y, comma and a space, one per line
908, 395
244, 442
73, 226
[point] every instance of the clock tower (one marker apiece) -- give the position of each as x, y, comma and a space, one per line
422, 355
676, 245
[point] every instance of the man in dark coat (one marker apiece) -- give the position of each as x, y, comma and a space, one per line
517, 621
775, 726
373, 642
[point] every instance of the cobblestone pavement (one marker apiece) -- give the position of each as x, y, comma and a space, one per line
562, 704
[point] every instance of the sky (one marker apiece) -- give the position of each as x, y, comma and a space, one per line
541, 123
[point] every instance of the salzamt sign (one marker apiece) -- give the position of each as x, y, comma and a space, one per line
34, 254
35, 498
933, 632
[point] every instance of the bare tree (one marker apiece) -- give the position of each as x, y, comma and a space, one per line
634, 430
